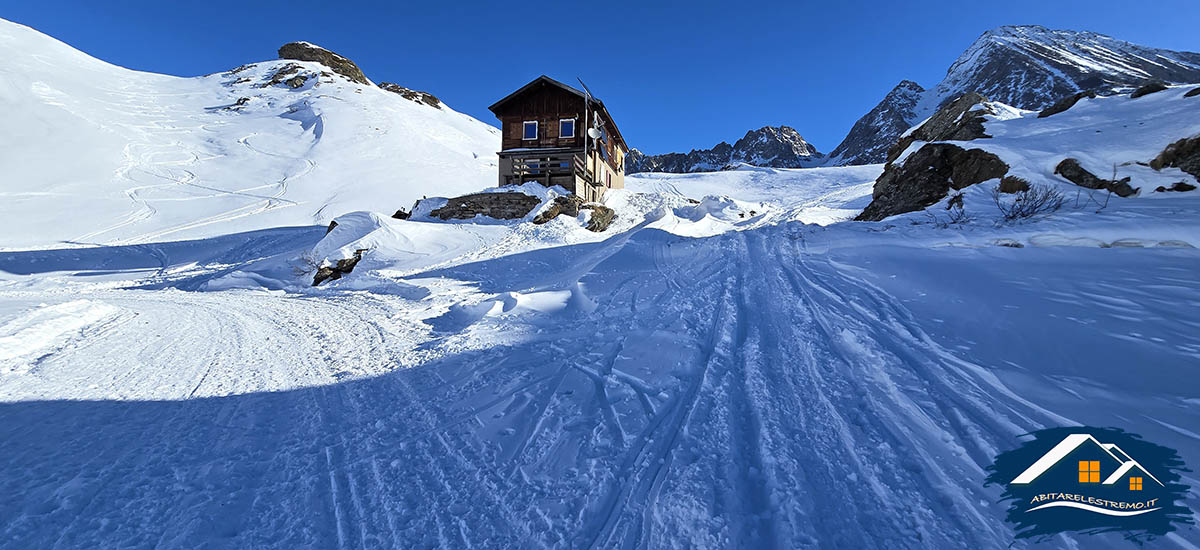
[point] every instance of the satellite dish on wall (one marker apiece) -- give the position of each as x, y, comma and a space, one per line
594, 133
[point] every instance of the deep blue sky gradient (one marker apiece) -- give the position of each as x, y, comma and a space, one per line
676, 76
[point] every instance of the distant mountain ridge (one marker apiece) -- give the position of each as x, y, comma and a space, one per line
1029, 67
771, 146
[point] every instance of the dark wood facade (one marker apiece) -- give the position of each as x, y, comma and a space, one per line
550, 157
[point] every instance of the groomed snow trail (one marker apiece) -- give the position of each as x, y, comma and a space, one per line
740, 390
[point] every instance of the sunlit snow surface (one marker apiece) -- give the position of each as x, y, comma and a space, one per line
732, 364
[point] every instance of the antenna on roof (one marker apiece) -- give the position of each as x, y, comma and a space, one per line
585, 88
587, 107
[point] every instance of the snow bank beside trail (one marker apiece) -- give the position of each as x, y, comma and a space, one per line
31, 334
404, 245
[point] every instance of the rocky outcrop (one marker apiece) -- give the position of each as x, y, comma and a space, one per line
282, 74
1193, 92
1013, 184
1077, 174
770, 146
342, 267
571, 205
1066, 103
959, 120
927, 176
501, 206
1178, 187
566, 205
303, 51
424, 98
1148, 88
1183, 154
296, 81
602, 216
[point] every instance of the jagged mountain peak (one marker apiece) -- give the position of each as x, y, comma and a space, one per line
1031, 66
1026, 66
771, 146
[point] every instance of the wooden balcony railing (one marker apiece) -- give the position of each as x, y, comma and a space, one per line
544, 166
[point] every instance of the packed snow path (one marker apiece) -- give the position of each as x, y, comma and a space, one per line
745, 390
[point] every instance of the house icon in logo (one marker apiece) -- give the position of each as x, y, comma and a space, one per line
1087, 479
1095, 463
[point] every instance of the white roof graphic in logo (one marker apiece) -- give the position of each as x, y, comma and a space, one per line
1067, 446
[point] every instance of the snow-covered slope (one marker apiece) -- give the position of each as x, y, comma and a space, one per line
1029, 67
95, 153
697, 379
730, 365
1114, 138
769, 146
811, 195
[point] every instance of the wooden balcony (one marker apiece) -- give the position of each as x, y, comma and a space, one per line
547, 167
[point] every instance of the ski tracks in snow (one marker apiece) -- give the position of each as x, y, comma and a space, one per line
734, 391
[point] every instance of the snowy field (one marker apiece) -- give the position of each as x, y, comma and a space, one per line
732, 364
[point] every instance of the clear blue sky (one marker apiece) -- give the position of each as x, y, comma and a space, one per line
675, 76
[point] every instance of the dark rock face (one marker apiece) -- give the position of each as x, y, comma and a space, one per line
1030, 67
1183, 154
296, 81
424, 98
770, 146
1066, 103
572, 205
501, 206
334, 272
1013, 184
960, 120
1192, 93
867, 141
567, 205
602, 217
281, 75
1148, 88
401, 215
1179, 186
927, 176
1075, 173
303, 51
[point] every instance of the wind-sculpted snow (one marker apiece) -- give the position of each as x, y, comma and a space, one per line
756, 388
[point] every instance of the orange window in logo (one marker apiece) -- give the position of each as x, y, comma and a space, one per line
1089, 471
1135, 484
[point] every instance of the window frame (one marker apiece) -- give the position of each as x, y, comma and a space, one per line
560, 127
1089, 471
525, 130
1135, 483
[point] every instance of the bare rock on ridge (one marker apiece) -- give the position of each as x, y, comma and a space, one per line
303, 51
959, 120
